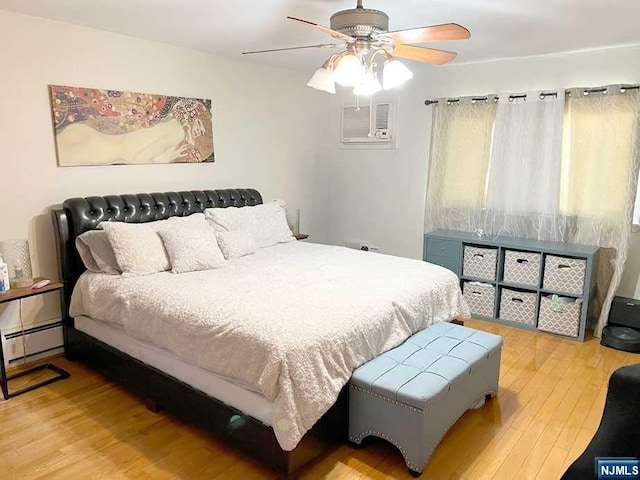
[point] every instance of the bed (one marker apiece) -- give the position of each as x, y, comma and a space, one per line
257, 351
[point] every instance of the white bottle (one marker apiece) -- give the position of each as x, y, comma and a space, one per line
4, 277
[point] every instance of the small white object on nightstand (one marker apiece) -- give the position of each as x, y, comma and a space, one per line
40, 284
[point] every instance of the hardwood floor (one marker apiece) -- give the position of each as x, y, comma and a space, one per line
550, 402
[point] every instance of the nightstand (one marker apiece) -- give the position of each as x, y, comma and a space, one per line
301, 236
19, 294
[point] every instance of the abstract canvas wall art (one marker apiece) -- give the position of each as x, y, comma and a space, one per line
110, 127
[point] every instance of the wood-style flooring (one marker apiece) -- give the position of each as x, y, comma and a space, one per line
549, 405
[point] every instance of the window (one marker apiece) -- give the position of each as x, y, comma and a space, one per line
598, 155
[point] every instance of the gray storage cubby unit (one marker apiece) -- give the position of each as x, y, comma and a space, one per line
446, 248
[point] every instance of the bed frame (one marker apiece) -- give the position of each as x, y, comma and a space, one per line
159, 389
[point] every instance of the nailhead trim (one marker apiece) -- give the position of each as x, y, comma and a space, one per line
366, 433
387, 399
358, 439
434, 401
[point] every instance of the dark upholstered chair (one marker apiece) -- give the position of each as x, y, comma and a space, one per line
619, 432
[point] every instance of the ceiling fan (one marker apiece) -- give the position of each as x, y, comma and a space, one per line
365, 37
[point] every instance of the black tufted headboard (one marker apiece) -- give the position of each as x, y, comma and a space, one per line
79, 215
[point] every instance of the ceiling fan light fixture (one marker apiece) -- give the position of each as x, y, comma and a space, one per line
368, 86
323, 80
349, 71
364, 33
395, 73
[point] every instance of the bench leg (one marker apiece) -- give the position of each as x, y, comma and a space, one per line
484, 400
357, 446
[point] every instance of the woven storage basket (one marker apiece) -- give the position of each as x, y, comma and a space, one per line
559, 317
480, 262
518, 306
480, 297
564, 275
522, 268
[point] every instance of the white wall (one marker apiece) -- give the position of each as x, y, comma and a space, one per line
271, 132
379, 194
265, 120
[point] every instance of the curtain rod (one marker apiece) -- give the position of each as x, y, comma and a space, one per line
543, 95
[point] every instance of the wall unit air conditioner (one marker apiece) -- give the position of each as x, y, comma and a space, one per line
369, 126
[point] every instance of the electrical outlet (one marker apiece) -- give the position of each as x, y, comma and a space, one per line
363, 246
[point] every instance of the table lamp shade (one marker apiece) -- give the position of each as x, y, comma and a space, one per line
293, 219
16, 255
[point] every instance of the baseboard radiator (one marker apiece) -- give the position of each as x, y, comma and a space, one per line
41, 341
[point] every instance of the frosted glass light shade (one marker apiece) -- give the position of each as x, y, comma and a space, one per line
368, 86
293, 219
349, 71
395, 73
16, 255
323, 80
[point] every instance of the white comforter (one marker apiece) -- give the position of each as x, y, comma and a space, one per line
292, 321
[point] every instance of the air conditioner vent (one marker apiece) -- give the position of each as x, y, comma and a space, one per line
356, 122
368, 125
382, 116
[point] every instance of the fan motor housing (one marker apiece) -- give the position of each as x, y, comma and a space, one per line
360, 22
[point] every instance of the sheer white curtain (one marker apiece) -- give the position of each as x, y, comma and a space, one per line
524, 177
599, 178
559, 168
460, 153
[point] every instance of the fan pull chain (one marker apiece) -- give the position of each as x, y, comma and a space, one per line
370, 116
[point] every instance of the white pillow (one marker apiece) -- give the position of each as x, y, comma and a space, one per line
236, 244
266, 224
195, 218
96, 252
158, 224
138, 248
192, 248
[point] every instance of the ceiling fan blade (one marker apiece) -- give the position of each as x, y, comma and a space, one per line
422, 54
325, 30
323, 45
434, 33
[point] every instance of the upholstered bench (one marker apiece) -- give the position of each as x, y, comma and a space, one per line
412, 394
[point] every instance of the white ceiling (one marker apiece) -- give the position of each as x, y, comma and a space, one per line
499, 28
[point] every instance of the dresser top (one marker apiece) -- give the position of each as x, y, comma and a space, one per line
558, 248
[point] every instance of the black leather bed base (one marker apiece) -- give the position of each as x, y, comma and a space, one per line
80, 215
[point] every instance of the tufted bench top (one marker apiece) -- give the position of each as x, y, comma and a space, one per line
422, 370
